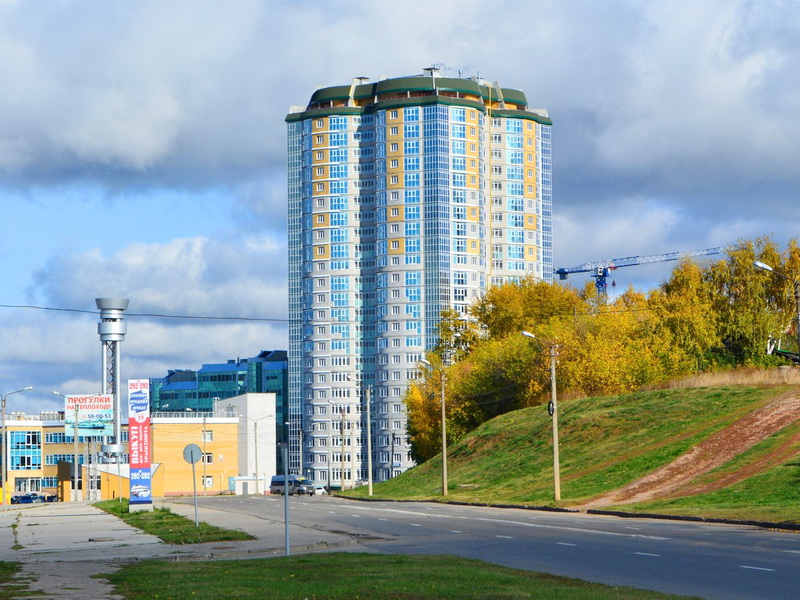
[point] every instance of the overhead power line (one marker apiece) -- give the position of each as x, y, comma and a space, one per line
147, 315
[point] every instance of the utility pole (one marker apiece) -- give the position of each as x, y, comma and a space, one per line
444, 424
554, 400
368, 390
553, 410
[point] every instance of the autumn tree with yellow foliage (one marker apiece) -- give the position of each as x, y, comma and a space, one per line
702, 318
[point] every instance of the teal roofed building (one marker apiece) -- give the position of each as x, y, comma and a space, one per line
187, 390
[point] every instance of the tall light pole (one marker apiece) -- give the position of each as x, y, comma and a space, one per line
553, 410
765, 267
444, 429
368, 394
6, 445
341, 436
367, 389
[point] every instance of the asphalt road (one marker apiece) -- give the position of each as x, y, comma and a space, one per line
693, 559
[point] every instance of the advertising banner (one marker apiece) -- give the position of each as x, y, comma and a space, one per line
139, 440
95, 415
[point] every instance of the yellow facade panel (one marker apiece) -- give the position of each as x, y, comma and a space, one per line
320, 220
529, 174
319, 140
397, 246
394, 182
530, 222
530, 253
394, 117
322, 252
395, 213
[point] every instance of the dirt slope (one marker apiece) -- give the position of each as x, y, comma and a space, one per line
675, 478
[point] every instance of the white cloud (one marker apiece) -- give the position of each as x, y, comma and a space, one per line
244, 277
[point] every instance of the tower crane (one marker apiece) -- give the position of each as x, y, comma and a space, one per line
601, 269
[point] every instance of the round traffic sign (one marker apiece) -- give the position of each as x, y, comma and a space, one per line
192, 454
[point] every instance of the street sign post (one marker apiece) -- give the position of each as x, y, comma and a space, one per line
192, 454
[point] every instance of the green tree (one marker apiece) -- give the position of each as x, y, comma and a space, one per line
749, 306
684, 312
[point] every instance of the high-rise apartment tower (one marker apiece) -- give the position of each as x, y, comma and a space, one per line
407, 196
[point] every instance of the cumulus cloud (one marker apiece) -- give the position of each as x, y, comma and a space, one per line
244, 277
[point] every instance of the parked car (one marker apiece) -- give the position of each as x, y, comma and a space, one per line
319, 490
27, 498
297, 485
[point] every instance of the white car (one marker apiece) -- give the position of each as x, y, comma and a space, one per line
319, 490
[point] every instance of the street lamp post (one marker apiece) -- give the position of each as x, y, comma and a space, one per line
553, 409
367, 389
341, 437
6, 445
765, 267
368, 392
444, 428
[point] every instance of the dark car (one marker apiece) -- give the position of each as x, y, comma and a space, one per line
33, 498
26, 499
297, 485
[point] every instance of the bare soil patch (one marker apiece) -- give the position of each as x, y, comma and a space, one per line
675, 479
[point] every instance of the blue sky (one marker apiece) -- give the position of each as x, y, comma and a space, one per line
142, 149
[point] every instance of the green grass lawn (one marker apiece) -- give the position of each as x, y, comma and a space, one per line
10, 588
347, 576
605, 443
170, 527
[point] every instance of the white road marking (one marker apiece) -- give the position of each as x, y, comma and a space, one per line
454, 531
565, 544
508, 522
415, 524
380, 519
505, 537
787, 551
754, 568
646, 554
635, 528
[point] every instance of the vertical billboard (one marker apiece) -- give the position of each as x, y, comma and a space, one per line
139, 440
92, 414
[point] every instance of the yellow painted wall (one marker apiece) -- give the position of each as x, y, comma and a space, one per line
169, 440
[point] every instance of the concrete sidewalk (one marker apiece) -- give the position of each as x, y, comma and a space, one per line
62, 545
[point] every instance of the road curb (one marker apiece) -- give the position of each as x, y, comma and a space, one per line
761, 524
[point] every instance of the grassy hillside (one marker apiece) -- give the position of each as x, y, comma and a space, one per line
608, 442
